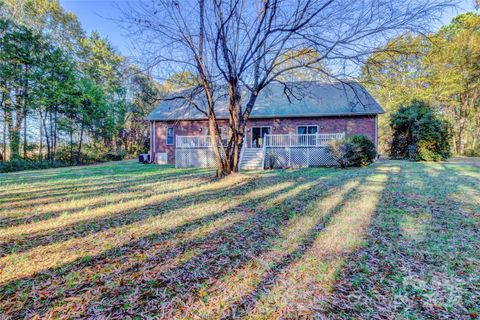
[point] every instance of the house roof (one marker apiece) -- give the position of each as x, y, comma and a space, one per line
304, 99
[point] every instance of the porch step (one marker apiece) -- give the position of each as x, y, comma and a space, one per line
252, 159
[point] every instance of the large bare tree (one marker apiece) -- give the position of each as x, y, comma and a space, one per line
238, 47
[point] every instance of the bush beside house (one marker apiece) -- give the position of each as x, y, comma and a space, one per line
356, 151
419, 134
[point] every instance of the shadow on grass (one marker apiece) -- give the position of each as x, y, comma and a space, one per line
129, 189
93, 189
247, 302
111, 169
114, 220
219, 252
422, 254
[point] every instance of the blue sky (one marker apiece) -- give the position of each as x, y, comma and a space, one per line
97, 15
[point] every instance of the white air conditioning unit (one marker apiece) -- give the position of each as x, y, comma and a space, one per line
144, 158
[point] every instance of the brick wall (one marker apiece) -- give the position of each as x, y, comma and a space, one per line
350, 125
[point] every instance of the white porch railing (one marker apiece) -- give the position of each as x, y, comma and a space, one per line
192, 142
301, 140
269, 140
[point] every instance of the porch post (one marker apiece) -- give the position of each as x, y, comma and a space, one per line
150, 152
154, 155
289, 150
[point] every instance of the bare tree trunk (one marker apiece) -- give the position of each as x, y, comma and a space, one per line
233, 125
237, 125
223, 168
15, 127
50, 124
25, 142
476, 134
9, 124
461, 129
237, 142
25, 112
71, 147
40, 147
55, 126
454, 142
4, 135
461, 141
240, 122
79, 151
47, 136
4, 128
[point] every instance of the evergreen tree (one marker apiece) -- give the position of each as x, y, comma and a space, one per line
419, 133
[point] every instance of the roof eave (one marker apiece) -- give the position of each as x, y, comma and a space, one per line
344, 114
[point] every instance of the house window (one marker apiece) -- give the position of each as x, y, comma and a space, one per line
307, 129
207, 130
307, 140
224, 138
169, 135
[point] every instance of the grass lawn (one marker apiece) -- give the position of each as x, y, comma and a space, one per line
125, 240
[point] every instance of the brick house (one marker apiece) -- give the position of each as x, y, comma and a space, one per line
304, 119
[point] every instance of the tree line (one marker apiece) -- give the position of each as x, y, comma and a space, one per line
66, 95
442, 69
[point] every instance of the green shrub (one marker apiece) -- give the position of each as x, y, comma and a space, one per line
271, 160
473, 152
365, 151
343, 152
419, 134
115, 155
65, 155
356, 151
20, 165
90, 154
69, 153
93, 154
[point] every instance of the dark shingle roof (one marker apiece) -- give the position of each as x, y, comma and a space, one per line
306, 99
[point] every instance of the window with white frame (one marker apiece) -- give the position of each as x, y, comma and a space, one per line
307, 129
170, 136
306, 140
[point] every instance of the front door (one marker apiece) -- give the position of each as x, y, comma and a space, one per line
257, 136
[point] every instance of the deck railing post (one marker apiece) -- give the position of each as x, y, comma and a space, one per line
290, 137
264, 151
